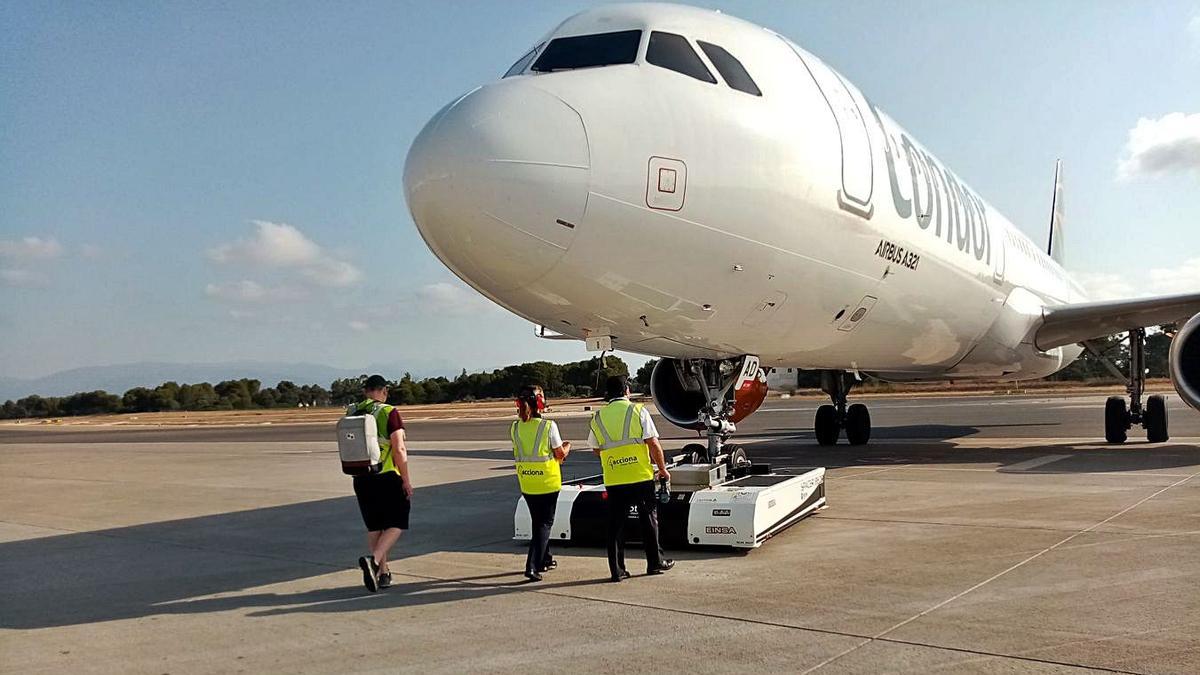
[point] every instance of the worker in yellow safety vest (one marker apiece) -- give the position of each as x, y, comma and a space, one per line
539, 450
624, 437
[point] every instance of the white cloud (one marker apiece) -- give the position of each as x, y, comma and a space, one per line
30, 248
19, 278
451, 298
1105, 286
360, 326
332, 272
1182, 278
282, 246
1168, 144
250, 292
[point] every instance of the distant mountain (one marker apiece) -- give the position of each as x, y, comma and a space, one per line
117, 379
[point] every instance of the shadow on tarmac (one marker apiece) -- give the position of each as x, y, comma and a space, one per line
158, 568
353, 599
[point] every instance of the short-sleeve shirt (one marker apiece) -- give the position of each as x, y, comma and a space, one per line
394, 422
648, 429
555, 438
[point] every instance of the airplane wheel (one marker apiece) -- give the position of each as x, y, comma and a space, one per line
1155, 419
858, 424
696, 453
826, 426
1116, 420
737, 457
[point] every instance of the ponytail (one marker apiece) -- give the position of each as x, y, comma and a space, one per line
524, 409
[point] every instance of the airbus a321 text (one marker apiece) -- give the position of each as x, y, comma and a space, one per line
680, 183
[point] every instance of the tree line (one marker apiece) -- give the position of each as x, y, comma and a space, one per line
565, 380
580, 378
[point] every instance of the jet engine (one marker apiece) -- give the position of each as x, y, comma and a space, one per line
1185, 362
682, 388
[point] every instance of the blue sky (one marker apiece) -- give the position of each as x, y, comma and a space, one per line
222, 181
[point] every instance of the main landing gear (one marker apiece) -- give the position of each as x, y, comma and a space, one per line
1119, 419
833, 419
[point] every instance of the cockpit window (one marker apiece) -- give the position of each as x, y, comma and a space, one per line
523, 62
673, 52
730, 68
589, 51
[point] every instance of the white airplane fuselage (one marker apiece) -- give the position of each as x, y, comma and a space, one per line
688, 219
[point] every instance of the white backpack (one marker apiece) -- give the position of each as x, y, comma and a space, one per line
358, 442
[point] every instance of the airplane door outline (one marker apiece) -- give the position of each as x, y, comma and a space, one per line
858, 167
1001, 258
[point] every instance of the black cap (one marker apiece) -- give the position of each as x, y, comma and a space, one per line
375, 382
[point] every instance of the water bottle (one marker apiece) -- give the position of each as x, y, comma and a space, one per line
664, 490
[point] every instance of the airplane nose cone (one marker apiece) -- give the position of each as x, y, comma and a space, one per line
497, 181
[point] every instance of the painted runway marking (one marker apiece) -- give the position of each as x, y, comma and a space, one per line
1032, 463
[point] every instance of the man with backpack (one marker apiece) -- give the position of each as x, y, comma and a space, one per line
384, 491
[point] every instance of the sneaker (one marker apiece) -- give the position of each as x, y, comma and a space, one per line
533, 576
370, 572
553, 564
662, 567
385, 580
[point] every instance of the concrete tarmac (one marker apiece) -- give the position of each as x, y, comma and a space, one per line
974, 534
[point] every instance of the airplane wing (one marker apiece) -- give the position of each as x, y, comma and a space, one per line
1068, 324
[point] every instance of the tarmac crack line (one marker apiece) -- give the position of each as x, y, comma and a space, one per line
1119, 636
868, 473
772, 624
1026, 528
996, 576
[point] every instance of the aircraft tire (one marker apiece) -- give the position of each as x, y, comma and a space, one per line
737, 456
696, 453
826, 426
858, 424
1156, 419
1116, 420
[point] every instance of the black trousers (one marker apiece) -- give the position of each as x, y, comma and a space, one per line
541, 509
620, 499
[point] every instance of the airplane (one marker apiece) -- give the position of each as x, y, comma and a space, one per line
679, 183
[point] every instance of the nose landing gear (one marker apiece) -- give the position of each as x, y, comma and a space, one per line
832, 419
716, 379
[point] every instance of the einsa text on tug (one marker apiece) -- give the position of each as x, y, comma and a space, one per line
718, 496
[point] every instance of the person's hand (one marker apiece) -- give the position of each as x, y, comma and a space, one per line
663, 473
408, 489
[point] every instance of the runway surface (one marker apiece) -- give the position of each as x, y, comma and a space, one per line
974, 534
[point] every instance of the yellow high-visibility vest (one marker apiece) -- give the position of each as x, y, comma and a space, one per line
537, 469
624, 457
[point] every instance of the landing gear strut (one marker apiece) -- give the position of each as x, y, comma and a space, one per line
716, 380
832, 419
1119, 419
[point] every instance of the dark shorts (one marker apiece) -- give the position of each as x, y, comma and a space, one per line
381, 501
